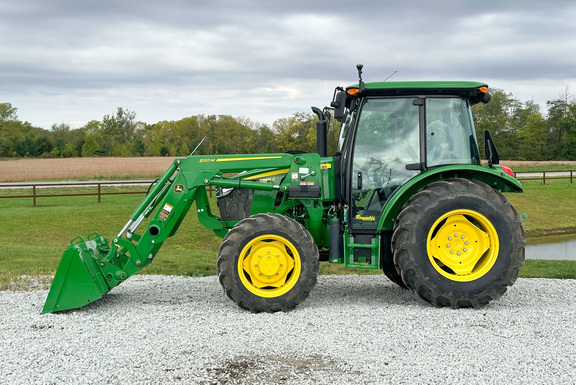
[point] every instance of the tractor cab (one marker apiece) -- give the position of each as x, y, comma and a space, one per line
394, 131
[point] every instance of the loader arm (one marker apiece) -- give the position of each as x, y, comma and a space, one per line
90, 268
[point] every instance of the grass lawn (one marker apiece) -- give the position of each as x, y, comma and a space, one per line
551, 208
34, 238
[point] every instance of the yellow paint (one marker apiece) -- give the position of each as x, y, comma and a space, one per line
253, 158
269, 174
463, 245
269, 266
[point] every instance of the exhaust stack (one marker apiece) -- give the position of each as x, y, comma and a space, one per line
321, 133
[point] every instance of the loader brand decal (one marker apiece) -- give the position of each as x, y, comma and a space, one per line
326, 166
179, 188
370, 218
165, 211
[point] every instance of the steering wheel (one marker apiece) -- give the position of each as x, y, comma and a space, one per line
381, 170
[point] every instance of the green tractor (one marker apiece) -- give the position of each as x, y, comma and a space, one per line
406, 193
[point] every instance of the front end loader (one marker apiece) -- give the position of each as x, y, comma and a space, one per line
406, 193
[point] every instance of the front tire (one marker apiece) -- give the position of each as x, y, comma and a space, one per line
268, 263
458, 243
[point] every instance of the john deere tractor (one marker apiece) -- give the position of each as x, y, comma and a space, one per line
405, 193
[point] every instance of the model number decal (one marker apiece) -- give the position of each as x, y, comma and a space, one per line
207, 160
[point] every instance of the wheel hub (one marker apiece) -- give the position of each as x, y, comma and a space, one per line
460, 247
268, 264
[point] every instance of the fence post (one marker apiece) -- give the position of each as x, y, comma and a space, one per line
99, 192
34, 194
543, 177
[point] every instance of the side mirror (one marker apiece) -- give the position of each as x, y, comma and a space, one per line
486, 98
491, 152
339, 105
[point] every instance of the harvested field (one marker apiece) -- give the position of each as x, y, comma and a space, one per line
538, 163
27, 170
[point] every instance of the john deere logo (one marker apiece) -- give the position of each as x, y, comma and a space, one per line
179, 188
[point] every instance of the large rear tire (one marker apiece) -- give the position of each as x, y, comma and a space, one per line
268, 263
458, 243
390, 271
387, 262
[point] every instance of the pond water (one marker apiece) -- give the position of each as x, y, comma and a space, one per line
552, 247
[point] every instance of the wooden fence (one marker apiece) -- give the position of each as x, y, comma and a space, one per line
546, 175
36, 188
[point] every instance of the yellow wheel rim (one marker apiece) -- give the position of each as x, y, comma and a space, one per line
463, 245
269, 266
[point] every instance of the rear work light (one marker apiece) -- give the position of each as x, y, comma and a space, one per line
508, 171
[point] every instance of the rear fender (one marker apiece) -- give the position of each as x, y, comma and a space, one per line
492, 176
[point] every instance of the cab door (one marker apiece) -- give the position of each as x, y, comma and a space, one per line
386, 140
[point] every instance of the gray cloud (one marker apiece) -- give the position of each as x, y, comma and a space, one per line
71, 61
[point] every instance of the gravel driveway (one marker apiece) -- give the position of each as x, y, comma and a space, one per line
352, 330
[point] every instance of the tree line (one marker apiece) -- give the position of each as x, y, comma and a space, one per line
520, 129
122, 135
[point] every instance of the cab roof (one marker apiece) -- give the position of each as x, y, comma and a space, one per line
468, 89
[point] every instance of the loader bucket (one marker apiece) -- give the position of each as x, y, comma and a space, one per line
78, 280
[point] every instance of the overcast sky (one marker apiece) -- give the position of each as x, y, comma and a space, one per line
72, 61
